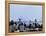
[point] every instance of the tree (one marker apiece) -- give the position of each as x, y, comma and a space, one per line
12, 22
35, 23
11, 26
20, 19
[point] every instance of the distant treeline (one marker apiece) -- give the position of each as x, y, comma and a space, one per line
19, 23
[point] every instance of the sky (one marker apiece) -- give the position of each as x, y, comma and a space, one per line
25, 12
